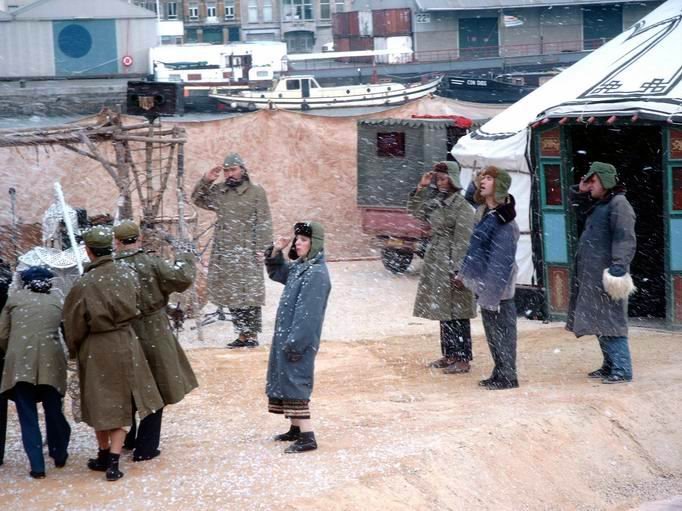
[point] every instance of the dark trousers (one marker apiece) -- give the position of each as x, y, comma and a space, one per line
616, 352
247, 321
500, 332
455, 339
146, 438
3, 427
58, 430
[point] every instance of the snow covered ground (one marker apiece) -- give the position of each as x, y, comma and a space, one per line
393, 434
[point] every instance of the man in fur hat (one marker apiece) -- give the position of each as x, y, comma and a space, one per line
601, 279
243, 231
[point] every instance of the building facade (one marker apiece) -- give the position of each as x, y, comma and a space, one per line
454, 29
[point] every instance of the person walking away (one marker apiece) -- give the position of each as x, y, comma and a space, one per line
243, 230
440, 296
5, 281
602, 283
298, 328
166, 358
98, 313
489, 270
35, 366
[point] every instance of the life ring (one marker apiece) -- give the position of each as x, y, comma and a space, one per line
127, 61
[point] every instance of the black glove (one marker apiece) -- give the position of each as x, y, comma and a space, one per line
292, 356
616, 270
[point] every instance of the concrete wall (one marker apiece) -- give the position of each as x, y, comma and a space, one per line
135, 37
26, 49
632, 13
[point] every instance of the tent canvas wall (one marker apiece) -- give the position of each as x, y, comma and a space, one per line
636, 77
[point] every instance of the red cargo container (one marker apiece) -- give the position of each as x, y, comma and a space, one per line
345, 24
392, 22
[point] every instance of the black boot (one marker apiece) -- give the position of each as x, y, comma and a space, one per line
113, 473
306, 442
293, 434
101, 462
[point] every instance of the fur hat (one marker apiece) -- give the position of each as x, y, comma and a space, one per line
37, 279
99, 236
312, 230
127, 230
502, 184
452, 169
605, 171
233, 160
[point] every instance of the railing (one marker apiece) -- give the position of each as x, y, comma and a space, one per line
539, 48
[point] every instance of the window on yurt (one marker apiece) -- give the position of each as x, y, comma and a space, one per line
552, 185
391, 144
677, 188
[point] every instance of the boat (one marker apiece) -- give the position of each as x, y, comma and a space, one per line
482, 90
303, 92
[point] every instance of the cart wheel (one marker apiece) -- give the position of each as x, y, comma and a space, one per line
396, 261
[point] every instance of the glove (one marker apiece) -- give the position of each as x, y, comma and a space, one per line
616, 270
292, 356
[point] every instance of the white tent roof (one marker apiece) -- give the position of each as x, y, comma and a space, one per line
638, 72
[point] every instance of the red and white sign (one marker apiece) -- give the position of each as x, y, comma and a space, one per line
127, 61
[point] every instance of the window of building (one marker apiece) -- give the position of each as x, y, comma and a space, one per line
213, 35
478, 37
340, 6
193, 11
229, 11
325, 9
211, 11
191, 35
233, 34
253, 11
267, 10
172, 10
299, 41
294, 10
600, 24
391, 144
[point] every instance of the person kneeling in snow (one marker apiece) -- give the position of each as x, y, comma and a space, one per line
489, 270
602, 282
297, 330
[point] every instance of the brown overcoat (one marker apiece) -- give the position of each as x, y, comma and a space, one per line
451, 221
158, 279
98, 312
243, 228
29, 338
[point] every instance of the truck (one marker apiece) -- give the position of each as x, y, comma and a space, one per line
392, 156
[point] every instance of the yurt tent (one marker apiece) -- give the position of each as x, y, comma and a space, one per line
621, 104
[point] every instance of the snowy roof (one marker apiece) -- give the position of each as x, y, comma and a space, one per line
638, 72
80, 9
408, 123
463, 5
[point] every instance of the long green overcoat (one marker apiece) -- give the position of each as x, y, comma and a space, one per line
98, 313
29, 337
158, 279
451, 221
243, 228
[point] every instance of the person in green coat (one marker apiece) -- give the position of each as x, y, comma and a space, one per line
167, 360
437, 200
35, 366
243, 231
98, 315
